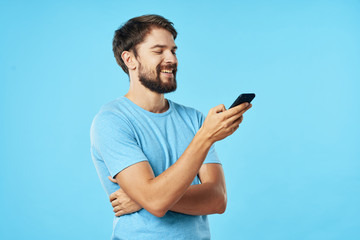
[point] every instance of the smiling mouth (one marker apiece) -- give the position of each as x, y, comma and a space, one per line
166, 71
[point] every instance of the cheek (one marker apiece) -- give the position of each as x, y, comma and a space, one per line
150, 64
149, 70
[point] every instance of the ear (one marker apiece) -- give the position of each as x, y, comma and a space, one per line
128, 58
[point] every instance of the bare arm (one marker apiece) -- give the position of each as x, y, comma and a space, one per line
209, 197
160, 194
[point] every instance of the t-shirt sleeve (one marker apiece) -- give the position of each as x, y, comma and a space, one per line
115, 142
212, 156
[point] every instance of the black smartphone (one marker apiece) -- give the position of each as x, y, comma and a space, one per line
245, 97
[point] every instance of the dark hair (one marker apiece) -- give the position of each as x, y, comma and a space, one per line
134, 32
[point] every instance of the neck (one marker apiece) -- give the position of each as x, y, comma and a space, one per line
146, 99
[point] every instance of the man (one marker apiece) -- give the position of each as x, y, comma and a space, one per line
160, 153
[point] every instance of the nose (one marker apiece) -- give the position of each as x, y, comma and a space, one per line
170, 57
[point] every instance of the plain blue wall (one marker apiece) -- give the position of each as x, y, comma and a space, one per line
292, 169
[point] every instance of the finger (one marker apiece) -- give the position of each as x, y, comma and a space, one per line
233, 118
117, 209
111, 179
115, 203
245, 106
239, 114
231, 130
235, 110
219, 108
120, 213
112, 196
236, 124
238, 121
235, 128
248, 107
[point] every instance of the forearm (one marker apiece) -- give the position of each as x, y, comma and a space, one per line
199, 199
209, 197
170, 186
202, 199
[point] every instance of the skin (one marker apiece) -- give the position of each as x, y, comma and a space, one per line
171, 190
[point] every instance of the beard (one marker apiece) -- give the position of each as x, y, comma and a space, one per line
151, 80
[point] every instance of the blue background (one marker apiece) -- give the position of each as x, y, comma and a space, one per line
292, 168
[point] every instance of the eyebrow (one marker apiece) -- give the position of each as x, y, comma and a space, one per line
161, 46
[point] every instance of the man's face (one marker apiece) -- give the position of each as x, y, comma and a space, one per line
157, 62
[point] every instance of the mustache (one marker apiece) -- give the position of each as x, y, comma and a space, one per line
172, 66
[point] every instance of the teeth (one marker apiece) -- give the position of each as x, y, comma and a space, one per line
166, 71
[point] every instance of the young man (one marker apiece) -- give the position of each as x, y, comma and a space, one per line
159, 152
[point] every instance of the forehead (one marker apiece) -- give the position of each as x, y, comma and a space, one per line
158, 36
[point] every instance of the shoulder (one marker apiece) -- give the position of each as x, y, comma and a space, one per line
111, 115
117, 106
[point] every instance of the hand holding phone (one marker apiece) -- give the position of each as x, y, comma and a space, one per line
214, 124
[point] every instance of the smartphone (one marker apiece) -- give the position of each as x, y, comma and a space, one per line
245, 97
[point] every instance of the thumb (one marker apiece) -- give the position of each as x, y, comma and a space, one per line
219, 108
111, 179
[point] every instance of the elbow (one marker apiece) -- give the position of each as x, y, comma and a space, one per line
158, 213
221, 204
221, 209
156, 209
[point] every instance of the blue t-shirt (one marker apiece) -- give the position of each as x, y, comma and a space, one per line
123, 134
